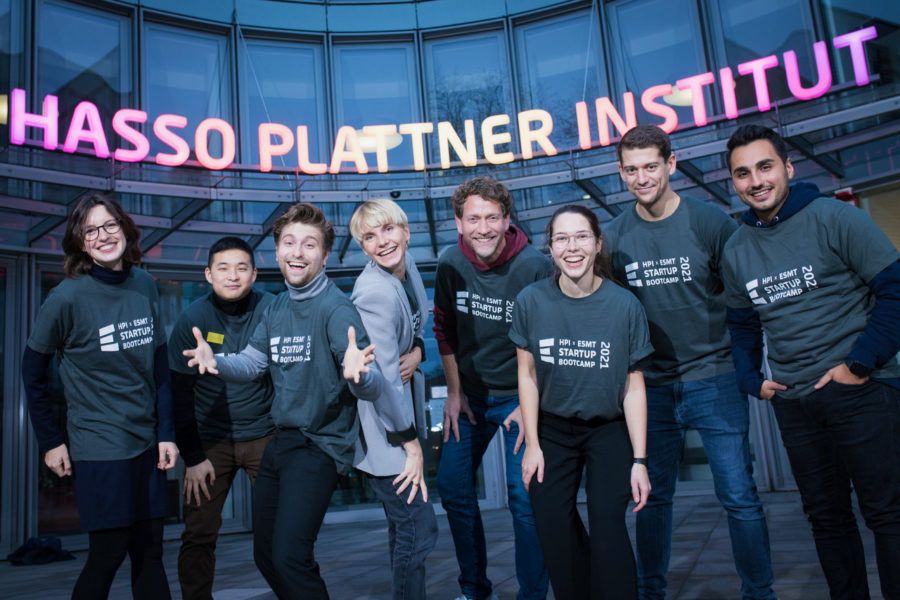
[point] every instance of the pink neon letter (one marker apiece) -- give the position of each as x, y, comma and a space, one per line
607, 112
130, 135
86, 112
310, 168
584, 125
670, 117
171, 139
758, 69
854, 40
47, 120
726, 79
695, 84
267, 149
793, 73
201, 145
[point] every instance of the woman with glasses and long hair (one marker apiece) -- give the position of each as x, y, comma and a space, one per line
103, 323
580, 340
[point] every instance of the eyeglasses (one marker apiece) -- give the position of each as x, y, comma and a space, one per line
91, 233
582, 238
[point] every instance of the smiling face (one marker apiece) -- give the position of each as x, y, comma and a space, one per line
761, 178
646, 173
300, 253
574, 246
483, 228
386, 245
104, 248
231, 274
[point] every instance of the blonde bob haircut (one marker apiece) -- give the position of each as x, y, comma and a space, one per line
375, 213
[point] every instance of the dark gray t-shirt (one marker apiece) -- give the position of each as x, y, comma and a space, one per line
225, 410
305, 342
583, 347
806, 278
673, 267
106, 336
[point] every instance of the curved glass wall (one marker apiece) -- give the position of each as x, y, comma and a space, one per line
322, 65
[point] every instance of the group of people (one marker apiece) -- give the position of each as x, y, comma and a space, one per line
593, 363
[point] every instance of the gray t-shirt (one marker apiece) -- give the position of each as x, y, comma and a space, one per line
806, 278
106, 336
225, 410
305, 343
673, 267
583, 347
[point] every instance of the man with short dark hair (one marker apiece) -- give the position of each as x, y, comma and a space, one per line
823, 282
475, 288
307, 341
668, 249
220, 427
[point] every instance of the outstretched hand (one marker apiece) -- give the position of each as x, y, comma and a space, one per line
202, 356
356, 361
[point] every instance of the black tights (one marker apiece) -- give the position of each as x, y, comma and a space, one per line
142, 541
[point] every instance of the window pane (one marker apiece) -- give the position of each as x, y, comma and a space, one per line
377, 85
655, 42
468, 78
5, 65
752, 29
843, 16
188, 73
560, 63
282, 83
84, 54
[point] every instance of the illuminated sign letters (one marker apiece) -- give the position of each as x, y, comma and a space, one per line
535, 127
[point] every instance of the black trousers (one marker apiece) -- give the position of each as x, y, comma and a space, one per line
582, 566
838, 436
142, 542
292, 492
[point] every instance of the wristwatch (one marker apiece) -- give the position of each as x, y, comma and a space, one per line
640, 461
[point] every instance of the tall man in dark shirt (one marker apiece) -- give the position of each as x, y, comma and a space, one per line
476, 284
668, 250
222, 427
823, 282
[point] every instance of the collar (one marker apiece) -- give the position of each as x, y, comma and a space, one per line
108, 275
516, 240
310, 290
799, 197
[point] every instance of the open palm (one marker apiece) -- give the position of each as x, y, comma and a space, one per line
356, 361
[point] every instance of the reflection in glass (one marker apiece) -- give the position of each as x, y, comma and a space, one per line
655, 42
467, 77
753, 29
188, 73
560, 63
377, 85
282, 83
83, 54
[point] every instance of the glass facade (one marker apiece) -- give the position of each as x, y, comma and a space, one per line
326, 65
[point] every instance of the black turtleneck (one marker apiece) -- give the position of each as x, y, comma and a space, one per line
232, 308
109, 275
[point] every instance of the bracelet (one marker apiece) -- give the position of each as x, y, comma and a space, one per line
640, 461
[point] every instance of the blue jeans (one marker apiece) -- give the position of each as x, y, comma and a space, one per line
412, 535
457, 486
719, 412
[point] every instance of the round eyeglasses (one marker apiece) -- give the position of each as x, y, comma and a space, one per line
91, 233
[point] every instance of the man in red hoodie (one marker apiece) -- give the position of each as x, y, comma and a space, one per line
475, 289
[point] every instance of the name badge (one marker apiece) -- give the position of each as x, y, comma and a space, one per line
215, 338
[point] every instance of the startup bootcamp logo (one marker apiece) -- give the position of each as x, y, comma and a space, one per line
585, 354
126, 334
786, 284
660, 271
290, 348
484, 307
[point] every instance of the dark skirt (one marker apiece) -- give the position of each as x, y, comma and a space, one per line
119, 493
